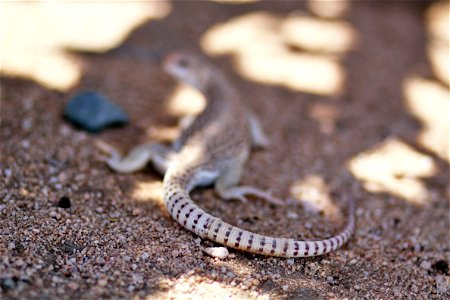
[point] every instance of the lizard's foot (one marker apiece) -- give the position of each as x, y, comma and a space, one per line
240, 193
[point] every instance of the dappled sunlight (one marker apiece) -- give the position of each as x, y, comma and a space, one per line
313, 34
185, 100
264, 55
301, 72
313, 194
437, 18
235, 1
35, 35
329, 9
437, 22
162, 133
198, 287
148, 191
429, 102
243, 35
438, 54
396, 168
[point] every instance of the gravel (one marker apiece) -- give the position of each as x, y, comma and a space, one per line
73, 229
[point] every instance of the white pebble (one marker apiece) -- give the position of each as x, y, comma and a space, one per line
230, 274
145, 255
219, 252
425, 265
137, 278
285, 287
292, 215
26, 144
26, 124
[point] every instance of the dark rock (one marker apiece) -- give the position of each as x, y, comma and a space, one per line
7, 284
64, 202
70, 247
93, 112
441, 266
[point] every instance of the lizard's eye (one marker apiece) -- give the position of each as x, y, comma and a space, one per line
183, 62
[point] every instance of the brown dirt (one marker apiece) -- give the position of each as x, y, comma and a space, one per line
117, 240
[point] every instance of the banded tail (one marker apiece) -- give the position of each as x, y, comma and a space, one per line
193, 218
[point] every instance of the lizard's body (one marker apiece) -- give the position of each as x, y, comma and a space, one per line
214, 149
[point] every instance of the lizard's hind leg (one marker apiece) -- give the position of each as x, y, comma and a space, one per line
226, 187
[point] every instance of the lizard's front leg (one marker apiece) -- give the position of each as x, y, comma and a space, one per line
257, 134
139, 157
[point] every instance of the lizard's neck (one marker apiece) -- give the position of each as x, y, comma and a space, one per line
219, 96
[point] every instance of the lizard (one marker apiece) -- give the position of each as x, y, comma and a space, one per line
213, 150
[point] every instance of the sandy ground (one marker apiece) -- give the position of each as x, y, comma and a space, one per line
378, 133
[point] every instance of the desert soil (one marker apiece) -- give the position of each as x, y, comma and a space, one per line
116, 240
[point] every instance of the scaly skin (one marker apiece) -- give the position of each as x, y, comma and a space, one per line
213, 150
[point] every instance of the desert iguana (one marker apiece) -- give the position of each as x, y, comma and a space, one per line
213, 150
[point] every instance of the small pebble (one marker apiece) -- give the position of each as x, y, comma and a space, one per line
136, 212
64, 202
8, 172
292, 215
72, 286
26, 144
102, 282
7, 284
145, 255
137, 278
285, 287
100, 261
218, 252
425, 265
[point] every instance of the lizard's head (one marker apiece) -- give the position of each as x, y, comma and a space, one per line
188, 69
